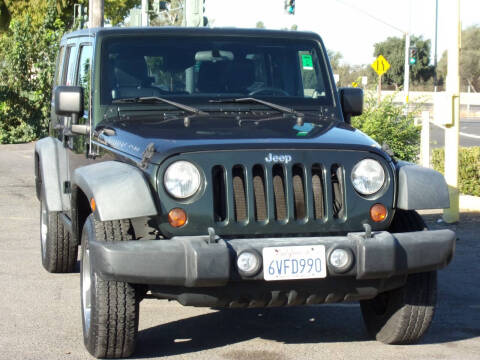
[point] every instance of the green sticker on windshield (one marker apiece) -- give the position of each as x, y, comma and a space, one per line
307, 62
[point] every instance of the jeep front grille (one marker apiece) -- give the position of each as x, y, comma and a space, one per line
280, 193
244, 194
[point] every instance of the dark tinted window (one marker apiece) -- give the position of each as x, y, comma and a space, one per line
195, 68
58, 70
68, 76
83, 72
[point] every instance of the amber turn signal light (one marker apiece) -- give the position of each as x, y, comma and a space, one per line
378, 212
177, 217
93, 204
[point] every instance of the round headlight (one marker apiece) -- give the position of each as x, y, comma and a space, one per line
368, 176
182, 179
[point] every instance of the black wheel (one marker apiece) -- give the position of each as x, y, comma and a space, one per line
59, 250
110, 309
403, 316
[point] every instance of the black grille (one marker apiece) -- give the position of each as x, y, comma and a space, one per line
282, 193
239, 191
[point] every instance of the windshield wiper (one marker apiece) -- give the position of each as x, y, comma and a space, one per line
280, 108
156, 99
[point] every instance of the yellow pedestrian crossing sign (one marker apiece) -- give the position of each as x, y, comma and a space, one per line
380, 65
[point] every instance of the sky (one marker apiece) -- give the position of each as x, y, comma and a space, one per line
350, 27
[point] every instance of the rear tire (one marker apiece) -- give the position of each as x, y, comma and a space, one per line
59, 250
403, 316
110, 309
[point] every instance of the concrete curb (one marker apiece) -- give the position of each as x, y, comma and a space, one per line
470, 203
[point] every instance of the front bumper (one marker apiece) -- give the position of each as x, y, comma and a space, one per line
194, 262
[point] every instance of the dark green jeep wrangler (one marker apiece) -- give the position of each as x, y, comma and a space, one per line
219, 168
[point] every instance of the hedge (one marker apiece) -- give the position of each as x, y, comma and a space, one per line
468, 168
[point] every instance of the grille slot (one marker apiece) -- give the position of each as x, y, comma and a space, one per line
338, 191
219, 194
298, 182
317, 189
245, 195
279, 192
258, 175
239, 197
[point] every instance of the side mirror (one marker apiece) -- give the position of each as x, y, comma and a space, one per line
352, 102
69, 102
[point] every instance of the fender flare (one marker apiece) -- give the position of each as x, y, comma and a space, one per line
421, 188
51, 167
121, 191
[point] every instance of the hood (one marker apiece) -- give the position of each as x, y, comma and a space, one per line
175, 134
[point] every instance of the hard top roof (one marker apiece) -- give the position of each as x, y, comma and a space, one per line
192, 31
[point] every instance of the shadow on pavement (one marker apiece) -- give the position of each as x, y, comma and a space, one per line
457, 316
312, 324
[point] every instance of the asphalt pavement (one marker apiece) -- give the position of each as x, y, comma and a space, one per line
469, 133
40, 312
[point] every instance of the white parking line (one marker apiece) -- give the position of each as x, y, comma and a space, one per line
461, 133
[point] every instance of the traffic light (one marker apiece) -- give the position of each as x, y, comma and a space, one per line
290, 7
412, 58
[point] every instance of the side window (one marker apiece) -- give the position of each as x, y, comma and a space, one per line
83, 73
68, 75
58, 71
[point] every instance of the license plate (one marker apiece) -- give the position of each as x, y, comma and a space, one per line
294, 262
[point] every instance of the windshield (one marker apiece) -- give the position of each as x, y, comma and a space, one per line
195, 70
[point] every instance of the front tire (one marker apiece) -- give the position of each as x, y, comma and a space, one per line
59, 250
110, 309
403, 316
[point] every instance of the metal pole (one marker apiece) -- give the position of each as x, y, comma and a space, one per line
435, 55
194, 13
425, 140
406, 74
452, 215
95, 13
145, 19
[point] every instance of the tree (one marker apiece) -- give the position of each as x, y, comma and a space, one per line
393, 49
260, 25
349, 73
115, 10
335, 58
26, 75
171, 17
469, 60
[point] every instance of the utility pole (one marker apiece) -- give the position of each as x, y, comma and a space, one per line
145, 19
406, 74
435, 55
452, 215
194, 13
95, 13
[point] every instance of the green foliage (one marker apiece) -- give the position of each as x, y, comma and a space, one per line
468, 168
173, 17
393, 49
115, 10
26, 75
385, 123
469, 60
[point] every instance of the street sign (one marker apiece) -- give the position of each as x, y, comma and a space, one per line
380, 65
